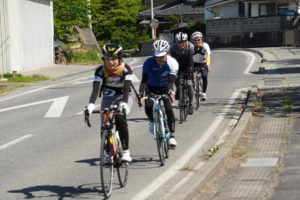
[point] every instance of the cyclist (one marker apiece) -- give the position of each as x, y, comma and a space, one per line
201, 59
113, 80
183, 52
158, 77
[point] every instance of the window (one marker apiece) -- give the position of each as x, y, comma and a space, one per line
241, 9
268, 9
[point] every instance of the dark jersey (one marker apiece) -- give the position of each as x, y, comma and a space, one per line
111, 85
184, 56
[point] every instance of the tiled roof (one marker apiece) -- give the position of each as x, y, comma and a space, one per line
174, 8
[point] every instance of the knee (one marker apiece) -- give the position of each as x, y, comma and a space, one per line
120, 120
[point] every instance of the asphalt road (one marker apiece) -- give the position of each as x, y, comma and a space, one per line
47, 152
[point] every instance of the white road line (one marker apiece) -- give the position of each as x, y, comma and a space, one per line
57, 107
201, 163
21, 139
163, 178
247, 70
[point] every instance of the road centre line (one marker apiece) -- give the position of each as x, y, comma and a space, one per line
9, 144
175, 168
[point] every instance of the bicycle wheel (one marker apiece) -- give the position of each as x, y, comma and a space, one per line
166, 138
181, 104
106, 165
197, 92
122, 167
166, 144
185, 100
159, 137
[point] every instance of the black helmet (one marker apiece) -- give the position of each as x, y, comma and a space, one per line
111, 50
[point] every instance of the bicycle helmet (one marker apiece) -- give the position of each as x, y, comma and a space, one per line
197, 34
111, 51
181, 37
160, 47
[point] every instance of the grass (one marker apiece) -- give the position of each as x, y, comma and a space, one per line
21, 78
6, 88
83, 56
186, 168
14, 81
287, 103
258, 102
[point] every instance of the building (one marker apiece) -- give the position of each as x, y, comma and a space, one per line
184, 10
26, 34
252, 22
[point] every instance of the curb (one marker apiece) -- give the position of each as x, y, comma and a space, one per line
72, 75
192, 188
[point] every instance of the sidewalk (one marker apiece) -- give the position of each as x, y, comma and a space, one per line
62, 72
259, 160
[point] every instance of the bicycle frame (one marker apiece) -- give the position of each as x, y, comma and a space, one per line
183, 93
160, 127
110, 148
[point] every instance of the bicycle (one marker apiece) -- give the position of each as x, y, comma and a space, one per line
198, 86
183, 96
161, 132
111, 150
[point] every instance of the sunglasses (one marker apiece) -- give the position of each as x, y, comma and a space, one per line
197, 40
107, 58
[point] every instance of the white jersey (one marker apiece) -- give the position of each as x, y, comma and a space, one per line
201, 53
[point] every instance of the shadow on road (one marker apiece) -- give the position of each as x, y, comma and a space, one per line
60, 192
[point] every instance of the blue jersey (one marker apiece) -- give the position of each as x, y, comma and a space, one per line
158, 75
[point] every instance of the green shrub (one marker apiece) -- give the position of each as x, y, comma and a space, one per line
21, 78
87, 56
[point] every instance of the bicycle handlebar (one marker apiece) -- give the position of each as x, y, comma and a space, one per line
112, 109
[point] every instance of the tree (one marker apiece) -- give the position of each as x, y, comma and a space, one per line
116, 21
67, 15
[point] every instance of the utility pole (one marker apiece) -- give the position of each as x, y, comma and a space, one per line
152, 18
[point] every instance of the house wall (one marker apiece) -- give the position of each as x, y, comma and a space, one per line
225, 11
4, 39
26, 34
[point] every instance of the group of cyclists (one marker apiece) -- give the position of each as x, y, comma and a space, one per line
113, 80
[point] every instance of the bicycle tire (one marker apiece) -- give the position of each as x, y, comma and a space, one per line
166, 137
122, 167
106, 169
185, 94
159, 137
181, 104
197, 92
166, 145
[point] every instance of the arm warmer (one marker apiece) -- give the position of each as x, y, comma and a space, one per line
95, 92
126, 90
143, 84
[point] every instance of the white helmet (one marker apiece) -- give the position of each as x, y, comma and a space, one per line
197, 34
160, 47
181, 37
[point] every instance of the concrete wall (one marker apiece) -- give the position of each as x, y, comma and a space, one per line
4, 39
26, 34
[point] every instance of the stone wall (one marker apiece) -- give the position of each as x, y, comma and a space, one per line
247, 32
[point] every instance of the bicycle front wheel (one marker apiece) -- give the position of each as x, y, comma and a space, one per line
181, 104
185, 100
122, 167
106, 164
197, 92
159, 137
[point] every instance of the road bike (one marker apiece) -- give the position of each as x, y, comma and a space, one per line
183, 96
161, 131
111, 150
198, 86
